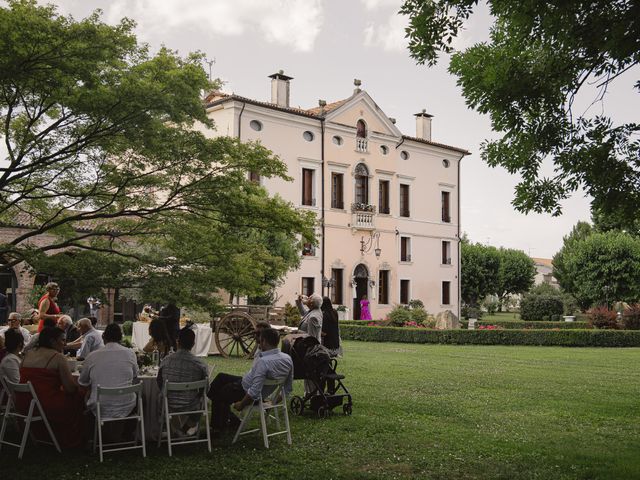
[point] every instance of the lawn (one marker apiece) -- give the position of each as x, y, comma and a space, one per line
425, 411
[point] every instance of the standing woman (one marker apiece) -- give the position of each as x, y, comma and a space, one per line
365, 314
330, 329
47, 306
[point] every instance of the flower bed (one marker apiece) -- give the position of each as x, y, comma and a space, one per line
566, 337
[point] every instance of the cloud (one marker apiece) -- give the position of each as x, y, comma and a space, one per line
292, 23
375, 4
390, 36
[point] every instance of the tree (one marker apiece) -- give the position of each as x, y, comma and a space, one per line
562, 270
540, 57
105, 154
605, 268
480, 272
516, 273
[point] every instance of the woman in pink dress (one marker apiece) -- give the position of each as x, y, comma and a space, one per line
365, 314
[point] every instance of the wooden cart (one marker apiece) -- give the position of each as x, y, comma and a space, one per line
234, 332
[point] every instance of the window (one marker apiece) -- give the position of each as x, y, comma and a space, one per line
254, 177
336, 292
446, 163
446, 252
307, 285
384, 149
307, 187
404, 292
404, 155
308, 250
404, 200
337, 140
361, 129
383, 196
383, 287
255, 125
446, 212
308, 136
362, 184
337, 190
405, 249
446, 293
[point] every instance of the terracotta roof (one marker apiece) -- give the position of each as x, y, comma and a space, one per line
436, 144
329, 107
217, 98
543, 261
24, 220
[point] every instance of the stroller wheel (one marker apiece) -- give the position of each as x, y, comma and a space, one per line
297, 405
323, 412
346, 409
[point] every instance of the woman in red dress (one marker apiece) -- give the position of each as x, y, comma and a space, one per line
47, 306
62, 400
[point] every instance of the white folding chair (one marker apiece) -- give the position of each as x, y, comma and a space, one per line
166, 415
138, 415
36, 414
267, 409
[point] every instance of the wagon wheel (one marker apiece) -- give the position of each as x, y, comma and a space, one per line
235, 335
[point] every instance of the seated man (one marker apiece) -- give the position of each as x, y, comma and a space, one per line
183, 366
111, 366
71, 332
90, 341
226, 389
15, 323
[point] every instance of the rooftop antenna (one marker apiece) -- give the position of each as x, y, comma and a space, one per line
211, 63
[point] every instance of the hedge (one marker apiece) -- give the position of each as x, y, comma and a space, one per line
568, 337
507, 324
519, 325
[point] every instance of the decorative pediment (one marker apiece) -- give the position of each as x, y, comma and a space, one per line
362, 107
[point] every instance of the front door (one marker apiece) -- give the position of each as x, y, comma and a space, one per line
361, 290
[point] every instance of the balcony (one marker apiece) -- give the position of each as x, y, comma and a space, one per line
362, 145
363, 216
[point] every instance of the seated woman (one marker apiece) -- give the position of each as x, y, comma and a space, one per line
62, 401
159, 340
10, 364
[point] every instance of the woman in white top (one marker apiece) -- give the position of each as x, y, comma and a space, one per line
10, 364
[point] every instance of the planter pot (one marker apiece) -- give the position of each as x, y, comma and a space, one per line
343, 315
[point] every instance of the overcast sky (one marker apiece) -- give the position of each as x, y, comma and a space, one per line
324, 45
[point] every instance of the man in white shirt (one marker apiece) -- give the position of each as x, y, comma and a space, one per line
111, 366
90, 341
15, 323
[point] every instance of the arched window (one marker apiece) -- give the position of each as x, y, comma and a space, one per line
361, 129
362, 183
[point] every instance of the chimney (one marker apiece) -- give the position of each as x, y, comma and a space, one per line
280, 88
423, 125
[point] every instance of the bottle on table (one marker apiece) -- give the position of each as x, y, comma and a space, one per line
155, 357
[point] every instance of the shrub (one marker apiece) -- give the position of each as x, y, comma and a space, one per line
602, 317
490, 305
419, 315
536, 307
538, 325
470, 311
631, 317
567, 338
570, 304
416, 304
399, 316
291, 315
127, 327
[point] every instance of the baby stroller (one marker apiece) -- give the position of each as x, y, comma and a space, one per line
312, 362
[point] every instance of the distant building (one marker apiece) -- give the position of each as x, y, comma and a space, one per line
387, 204
544, 272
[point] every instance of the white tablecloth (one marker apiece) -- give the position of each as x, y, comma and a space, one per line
204, 337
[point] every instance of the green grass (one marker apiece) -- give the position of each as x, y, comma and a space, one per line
501, 317
424, 411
